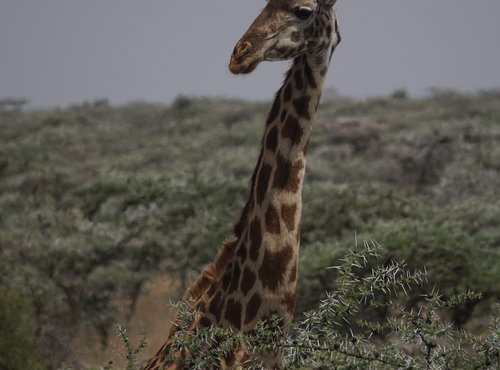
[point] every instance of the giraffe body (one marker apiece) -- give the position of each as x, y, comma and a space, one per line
254, 276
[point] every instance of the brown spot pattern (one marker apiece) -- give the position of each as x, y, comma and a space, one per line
235, 278
253, 307
292, 130
309, 76
255, 239
289, 301
302, 106
226, 279
230, 359
211, 290
272, 220
287, 175
283, 115
263, 182
247, 281
201, 307
272, 139
215, 306
288, 212
205, 322
299, 82
287, 93
274, 267
233, 313
242, 253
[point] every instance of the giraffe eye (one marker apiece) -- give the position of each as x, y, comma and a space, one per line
302, 12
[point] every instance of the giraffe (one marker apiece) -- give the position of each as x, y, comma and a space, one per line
254, 275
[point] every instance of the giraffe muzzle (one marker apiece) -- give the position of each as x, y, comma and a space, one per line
242, 60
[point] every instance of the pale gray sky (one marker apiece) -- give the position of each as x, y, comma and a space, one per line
57, 52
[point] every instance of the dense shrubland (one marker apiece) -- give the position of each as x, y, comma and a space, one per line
96, 199
362, 323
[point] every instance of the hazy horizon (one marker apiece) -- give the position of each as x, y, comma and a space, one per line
56, 52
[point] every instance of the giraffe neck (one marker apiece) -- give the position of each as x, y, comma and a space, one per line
255, 276
269, 230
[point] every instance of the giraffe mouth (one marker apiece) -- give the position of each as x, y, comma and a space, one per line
243, 65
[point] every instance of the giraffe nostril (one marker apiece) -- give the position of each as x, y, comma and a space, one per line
243, 48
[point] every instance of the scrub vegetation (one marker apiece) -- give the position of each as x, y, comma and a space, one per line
96, 199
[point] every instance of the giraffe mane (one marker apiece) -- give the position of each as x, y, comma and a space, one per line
211, 273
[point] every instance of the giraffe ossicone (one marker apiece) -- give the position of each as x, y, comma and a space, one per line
254, 275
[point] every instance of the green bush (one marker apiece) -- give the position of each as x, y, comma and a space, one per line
337, 333
95, 199
18, 344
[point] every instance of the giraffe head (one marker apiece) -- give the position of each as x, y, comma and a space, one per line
286, 29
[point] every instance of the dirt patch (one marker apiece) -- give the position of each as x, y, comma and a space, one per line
153, 313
